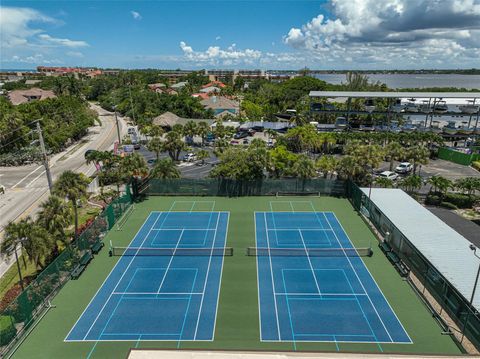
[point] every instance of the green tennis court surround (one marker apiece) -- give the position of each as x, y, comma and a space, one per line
237, 321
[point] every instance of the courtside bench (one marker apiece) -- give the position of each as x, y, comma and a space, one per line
394, 259
86, 258
97, 247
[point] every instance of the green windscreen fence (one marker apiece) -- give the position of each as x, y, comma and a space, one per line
18, 316
452, 155
235, 188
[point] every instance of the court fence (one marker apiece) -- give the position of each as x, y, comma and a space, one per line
238, 188
20, 316
457, 306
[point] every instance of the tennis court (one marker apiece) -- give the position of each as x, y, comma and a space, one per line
314, 285
166, 285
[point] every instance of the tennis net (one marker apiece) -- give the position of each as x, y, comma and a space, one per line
154, 251
312, 252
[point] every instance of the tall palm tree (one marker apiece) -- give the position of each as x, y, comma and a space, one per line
15, 234
394, 152
304, 167
165, 169
133, 165
173, 145
55, 216
411, 183
349, 168
326, 164
418, 155
384, 182
202, 130
74, 187
190, 129
439, 183
155, 145
203, 155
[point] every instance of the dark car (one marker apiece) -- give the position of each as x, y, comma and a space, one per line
240, 135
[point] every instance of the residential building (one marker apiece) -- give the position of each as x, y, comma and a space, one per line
18, 97
221, 106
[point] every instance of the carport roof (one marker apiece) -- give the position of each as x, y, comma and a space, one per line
378, 94
443, 247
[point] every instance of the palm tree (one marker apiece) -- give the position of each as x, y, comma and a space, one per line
173, 145
411, 183
155, 145
417, 155
74, 187
133, 165
394, 152
468, 185
15, 235
384, 182
304, 167
190, 129
349, 168
326, 164
165, 169
439, 183
203, 155
55, 216
202, 130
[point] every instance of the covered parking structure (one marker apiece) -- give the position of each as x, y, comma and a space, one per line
440, 257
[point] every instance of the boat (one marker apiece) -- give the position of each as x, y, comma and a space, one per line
450, 128
366, 128
469, 108
420, 127
435, 128
369, 105
425, 107
394, 128
465, 130
341, 123
440, 107
397, 106
408, 127
411, 106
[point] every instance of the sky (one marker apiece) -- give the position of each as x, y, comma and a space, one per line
241, 34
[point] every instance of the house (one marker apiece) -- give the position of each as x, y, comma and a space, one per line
201, 95
221, 105
214, 84
18, 97
179, 85
168, 119
210, 89
157, 86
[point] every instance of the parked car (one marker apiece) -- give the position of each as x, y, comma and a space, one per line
389, 175
404, 167
240, 135
190, 157
245, 141
131, 131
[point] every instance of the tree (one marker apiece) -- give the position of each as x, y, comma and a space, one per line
417, 155
15, 235
190, 129
468, 185
155, 145
394, 152
133, 165
203, 155
439, 183
411, 183
55, 216
202, 130
173, 145
253, 111
73, 186
280, 161
165, 169
302, 138
384, 182
326, 164
304, 168
349, 168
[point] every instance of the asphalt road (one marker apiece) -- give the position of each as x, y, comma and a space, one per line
26, 186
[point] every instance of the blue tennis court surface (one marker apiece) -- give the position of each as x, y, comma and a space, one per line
326, 298
161, 297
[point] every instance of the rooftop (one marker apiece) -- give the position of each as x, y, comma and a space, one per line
444, 248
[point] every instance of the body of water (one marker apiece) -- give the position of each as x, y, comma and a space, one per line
401, 81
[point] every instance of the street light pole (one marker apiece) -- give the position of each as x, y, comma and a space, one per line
45, 157
474, 249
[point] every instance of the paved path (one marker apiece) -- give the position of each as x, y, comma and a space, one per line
26, 186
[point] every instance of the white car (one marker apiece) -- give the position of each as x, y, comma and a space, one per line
404, 167
190, 157
389, 175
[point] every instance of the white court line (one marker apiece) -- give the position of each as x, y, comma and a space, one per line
155, 293
179, 229
358, 278
378, 287
258, 279
220, 280
108, 276
322, 294
170, 262
193, 206
271, 275
303, 229
309, 262
207, 276
125, 271
291, 206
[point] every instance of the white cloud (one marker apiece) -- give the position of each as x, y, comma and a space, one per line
47, 39
217, 56
32, 59
218, 38
392, 33
77, 54
136, 15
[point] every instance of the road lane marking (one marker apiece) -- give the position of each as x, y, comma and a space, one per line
24, 178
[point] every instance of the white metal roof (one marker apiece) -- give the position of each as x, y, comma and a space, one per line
444, 248
376, 94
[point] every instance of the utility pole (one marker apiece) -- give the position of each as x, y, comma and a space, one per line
118, 127
45, 157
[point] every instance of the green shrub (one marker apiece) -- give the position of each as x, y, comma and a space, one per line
460, 200
448, 205
433, 199
7, 329
476, 165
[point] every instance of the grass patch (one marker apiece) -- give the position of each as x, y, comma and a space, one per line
10, 278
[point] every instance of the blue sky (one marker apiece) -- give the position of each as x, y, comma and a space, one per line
282, 34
